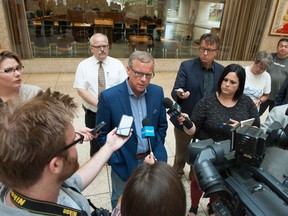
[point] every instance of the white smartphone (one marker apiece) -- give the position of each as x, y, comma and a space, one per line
248, 122
125, 125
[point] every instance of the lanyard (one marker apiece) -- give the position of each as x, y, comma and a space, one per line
43, 207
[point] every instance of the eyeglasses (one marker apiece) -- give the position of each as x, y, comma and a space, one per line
141, 74
79, 138
100, 47
283, 46
261, 67
203, 49
11, 70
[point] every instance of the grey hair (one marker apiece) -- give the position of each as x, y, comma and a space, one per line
91, 42
264, 58
142, 56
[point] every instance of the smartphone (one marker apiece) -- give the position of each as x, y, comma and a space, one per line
98, 128
125, 125
180, 90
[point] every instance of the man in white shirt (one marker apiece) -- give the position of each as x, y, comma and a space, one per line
86, 81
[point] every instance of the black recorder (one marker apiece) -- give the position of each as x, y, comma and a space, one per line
98, 128
231, 170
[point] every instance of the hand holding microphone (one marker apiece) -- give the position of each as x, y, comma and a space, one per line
175, 110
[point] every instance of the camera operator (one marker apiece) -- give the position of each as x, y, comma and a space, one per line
275, 160
216, 114
39, 166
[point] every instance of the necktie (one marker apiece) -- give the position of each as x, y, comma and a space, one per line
101, 78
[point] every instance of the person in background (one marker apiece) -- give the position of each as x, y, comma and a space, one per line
11, 69
136, 97
278, 72
216, 114
87, 78
39, 161
196, 78
190, 27
258, 80
275, 160
282, 95
149, 192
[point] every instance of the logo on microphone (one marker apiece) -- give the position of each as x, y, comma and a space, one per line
174, 111
147, 131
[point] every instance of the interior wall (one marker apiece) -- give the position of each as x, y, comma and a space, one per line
4, 36
269, 42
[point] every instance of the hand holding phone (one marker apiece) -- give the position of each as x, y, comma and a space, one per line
125, 125
180, 90
98, 128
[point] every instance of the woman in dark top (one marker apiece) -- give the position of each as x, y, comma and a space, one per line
216, 114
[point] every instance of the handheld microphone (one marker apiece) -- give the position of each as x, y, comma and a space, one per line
175, 110
147, 131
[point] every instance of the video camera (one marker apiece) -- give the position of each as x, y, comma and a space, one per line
231, 170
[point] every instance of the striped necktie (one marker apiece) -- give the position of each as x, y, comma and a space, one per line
101, 78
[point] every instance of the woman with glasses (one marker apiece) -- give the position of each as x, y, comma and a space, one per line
11, 69
216, 114
258, 80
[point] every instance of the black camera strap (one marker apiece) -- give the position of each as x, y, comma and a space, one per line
42, 207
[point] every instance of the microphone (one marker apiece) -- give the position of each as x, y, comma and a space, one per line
147, 131
175, 110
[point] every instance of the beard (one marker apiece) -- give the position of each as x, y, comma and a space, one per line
71, 165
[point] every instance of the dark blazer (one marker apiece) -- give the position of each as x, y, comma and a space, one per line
113, 103
190, 78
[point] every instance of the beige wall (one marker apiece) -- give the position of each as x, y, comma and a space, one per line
4, 36
269, 42
69, 65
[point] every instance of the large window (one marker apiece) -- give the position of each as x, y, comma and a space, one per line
165, 28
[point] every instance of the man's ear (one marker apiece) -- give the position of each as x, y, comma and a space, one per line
55, 166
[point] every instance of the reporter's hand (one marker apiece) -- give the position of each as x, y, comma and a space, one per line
182, 117
115, 141
150, 159
183, 95
86, 132
233, 122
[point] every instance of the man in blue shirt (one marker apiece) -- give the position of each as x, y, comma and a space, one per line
138, 98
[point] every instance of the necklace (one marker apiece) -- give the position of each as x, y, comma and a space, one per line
227, 102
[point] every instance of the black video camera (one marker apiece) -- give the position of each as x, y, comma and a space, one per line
231, 170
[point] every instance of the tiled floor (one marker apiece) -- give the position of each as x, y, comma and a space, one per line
99, 191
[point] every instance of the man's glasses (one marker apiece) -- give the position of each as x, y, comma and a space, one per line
203, 49
100, 47
141, 74
11, 70
79, 138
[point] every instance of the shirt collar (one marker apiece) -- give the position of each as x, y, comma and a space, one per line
212, 68
130, 92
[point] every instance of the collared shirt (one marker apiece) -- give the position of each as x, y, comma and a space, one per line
139, 110
208, 79
87, 76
